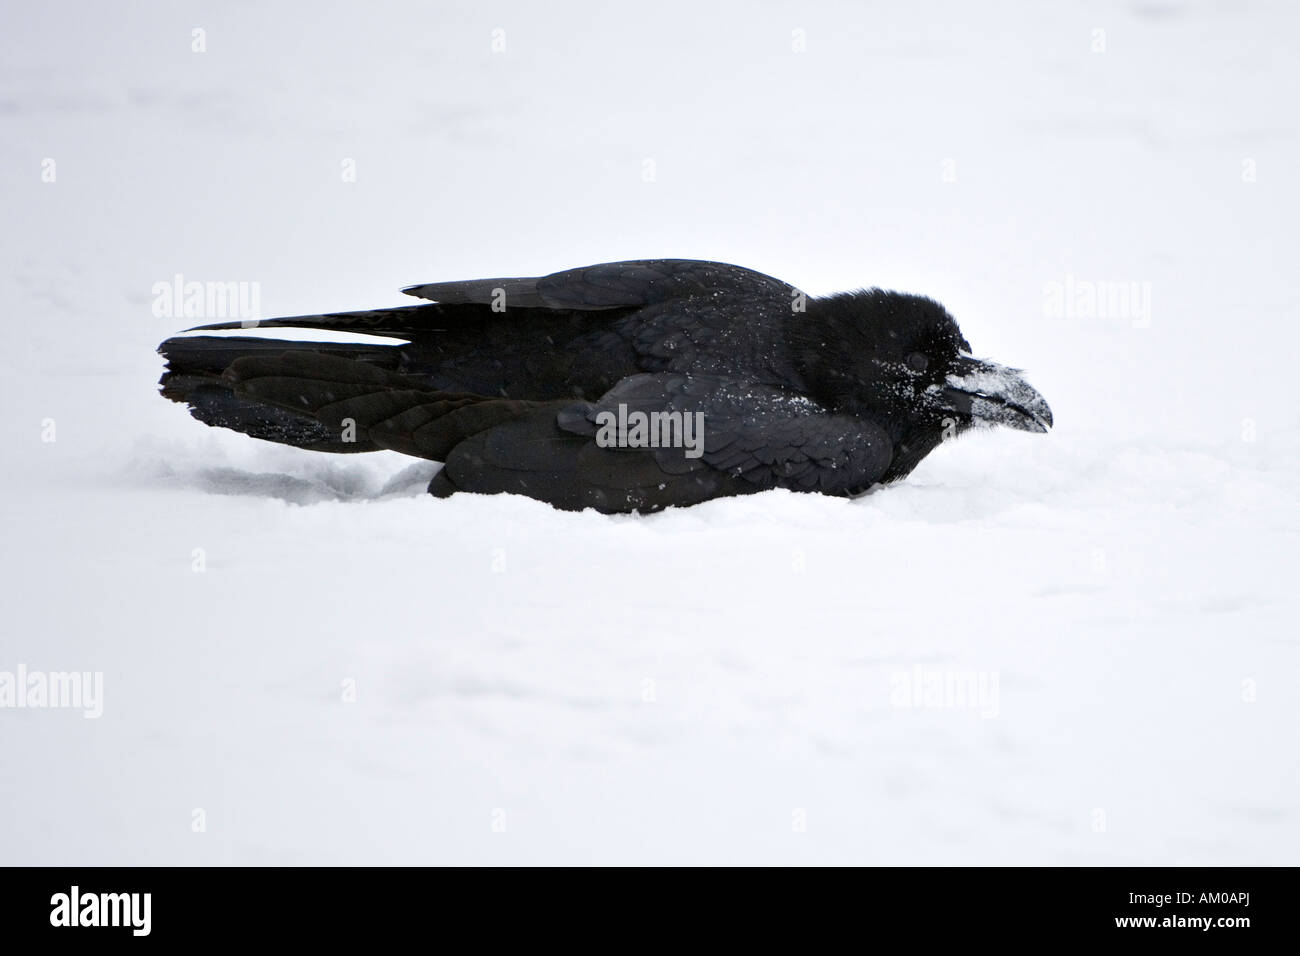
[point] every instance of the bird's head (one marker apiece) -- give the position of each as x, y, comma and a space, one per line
901, 361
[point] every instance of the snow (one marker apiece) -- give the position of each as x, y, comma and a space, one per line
770, 679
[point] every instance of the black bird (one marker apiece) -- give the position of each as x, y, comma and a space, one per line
587, 388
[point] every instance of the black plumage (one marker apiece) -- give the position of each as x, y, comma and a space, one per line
534, 385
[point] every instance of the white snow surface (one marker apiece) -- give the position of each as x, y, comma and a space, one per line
720, 684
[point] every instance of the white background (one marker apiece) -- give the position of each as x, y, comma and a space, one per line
1129, 579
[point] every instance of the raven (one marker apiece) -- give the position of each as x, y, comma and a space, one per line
625, 386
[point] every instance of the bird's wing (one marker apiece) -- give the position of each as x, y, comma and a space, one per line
690, 315
399, 323
610, 285
754, 438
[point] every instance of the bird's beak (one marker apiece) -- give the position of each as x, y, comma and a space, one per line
993, 394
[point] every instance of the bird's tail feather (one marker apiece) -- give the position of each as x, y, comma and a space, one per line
212, 354
324, 396
195, 376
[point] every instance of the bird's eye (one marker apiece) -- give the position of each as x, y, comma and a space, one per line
917, 362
